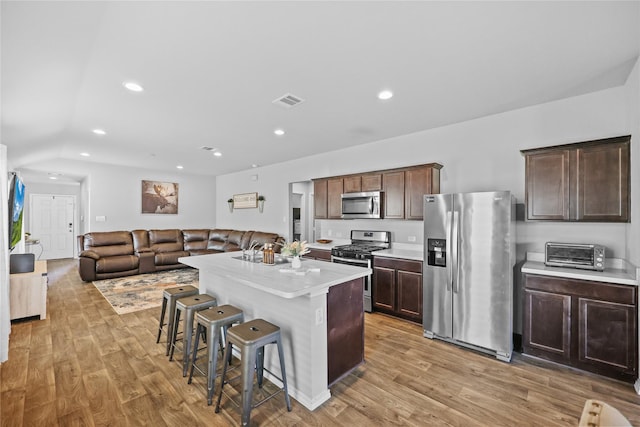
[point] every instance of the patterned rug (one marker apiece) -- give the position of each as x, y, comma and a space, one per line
134, 293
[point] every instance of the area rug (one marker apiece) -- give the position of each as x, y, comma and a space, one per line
134, 293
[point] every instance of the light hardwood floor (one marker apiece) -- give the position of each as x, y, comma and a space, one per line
86, 365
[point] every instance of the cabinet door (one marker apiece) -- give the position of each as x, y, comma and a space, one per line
372, 182
547, 185
393, 187
410, 295
417, 184
547, 325
320, 198
352, 184
603, 183
607, 337
384, 288
334, 198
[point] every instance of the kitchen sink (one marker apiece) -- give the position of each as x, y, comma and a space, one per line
258, 259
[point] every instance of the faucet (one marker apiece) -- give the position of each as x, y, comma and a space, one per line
252, 248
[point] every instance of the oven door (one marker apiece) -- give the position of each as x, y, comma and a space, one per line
367, 279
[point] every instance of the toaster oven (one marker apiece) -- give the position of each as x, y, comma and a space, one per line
575, 255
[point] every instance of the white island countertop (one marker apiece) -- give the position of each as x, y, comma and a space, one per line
281, 280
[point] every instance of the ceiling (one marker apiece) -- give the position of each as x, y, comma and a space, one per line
210, 71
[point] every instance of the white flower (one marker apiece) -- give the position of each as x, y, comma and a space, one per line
295, 248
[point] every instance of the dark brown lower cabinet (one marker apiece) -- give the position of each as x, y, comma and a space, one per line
585, 324
319, 254
397, 287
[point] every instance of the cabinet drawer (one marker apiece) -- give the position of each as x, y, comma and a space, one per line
319, 254
621, 294
399, 264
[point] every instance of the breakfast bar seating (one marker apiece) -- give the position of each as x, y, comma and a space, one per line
188, 305
210, 323
169, 298
251, 338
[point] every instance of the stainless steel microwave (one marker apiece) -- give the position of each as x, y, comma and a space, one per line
362, 205
576, 255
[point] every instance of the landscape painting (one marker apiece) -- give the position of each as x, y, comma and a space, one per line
159, 197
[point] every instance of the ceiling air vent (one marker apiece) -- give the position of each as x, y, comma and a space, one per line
288, 100
205, 148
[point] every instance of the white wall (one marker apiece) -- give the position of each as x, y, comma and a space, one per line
115, 193
632, 89
478, 155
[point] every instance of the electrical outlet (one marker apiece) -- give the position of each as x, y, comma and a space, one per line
412, 238
319, 316
329, 232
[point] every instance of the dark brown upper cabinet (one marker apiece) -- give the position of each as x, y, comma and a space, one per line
587, 181
403, 190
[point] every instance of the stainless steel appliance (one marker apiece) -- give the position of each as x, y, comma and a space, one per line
468, 272
362, 205
574, 255
359, 253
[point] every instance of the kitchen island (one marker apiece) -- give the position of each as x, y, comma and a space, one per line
318, 307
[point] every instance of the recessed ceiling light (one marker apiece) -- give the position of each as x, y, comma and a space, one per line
217, 153
385, 94
53, 177
99, 132
85, 154
133, 86
279, 132
255, 165
180, 167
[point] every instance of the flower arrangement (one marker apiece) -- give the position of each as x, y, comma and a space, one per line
295, 248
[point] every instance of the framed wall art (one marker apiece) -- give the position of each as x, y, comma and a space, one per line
245, 200
159, 197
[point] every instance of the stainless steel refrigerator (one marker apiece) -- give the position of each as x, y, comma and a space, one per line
469, 252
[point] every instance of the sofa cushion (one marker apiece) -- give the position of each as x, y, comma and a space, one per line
235, 238
116, 263
195, 239
217, 239
140, 240
262, 238
109, 243
169, 258
166, 240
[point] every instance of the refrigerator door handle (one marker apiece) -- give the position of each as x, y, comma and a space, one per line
448, 250
454, 247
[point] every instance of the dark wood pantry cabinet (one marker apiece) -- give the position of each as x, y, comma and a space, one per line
585, 324
587, 181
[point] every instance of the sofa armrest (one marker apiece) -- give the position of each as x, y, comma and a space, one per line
147, 262
90, 254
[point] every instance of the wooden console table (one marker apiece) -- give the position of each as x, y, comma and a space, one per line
28, 292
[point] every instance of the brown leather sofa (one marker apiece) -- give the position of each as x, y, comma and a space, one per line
105, 255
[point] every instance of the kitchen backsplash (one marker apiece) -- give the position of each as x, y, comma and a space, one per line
401, 231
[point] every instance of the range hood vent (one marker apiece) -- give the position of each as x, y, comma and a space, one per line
288, 100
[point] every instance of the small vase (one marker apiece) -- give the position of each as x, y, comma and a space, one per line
296, 263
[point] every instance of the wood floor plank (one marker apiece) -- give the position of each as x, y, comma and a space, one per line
87, 365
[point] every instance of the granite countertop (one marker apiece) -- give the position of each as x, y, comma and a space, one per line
616, 271
413, 252
280, 279
328, 246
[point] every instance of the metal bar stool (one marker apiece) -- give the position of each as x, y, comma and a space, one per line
190, 305
250, 338
169, 298
212, 320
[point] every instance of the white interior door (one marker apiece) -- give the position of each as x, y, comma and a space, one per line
52, 223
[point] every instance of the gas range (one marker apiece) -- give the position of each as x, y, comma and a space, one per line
363, 244
359, 253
